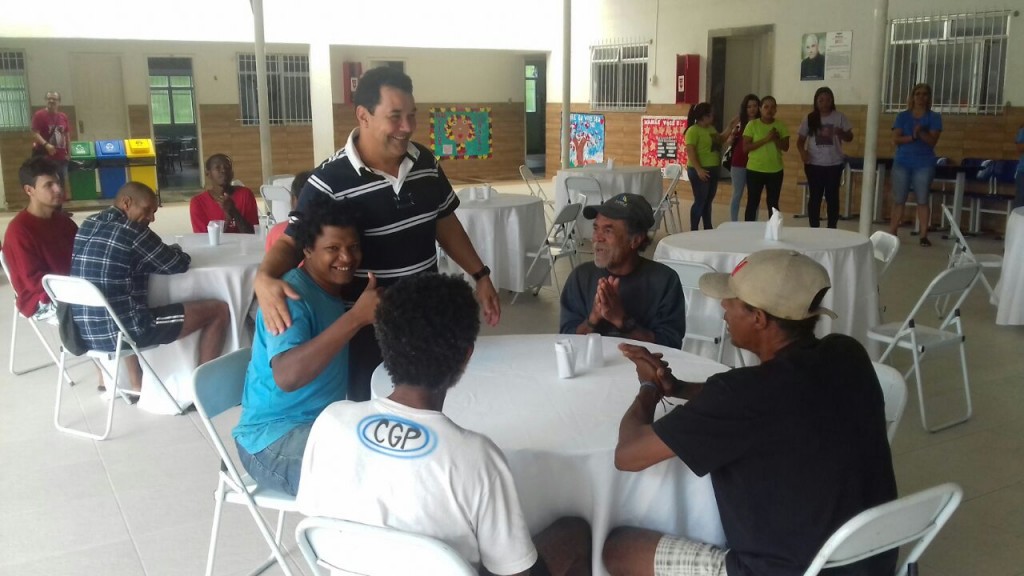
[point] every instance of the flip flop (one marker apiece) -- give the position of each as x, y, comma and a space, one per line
925, 242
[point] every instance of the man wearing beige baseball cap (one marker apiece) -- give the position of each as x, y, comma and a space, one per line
795, 446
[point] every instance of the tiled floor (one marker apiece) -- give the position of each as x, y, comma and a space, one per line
140, 502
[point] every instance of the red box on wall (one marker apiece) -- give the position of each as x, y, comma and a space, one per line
687, 78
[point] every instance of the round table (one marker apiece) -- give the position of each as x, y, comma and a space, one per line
643, 180
1008, 295
559, 437
225, 272
503, 228
847, 256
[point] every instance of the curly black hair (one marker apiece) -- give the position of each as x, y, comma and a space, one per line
323, 211
426, 326
35, 167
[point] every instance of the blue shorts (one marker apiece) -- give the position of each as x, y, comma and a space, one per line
279, 465
904, 178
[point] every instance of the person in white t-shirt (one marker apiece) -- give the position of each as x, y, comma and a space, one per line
399, 462
820, 144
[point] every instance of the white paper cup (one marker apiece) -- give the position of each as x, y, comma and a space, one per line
595, 351
565, 358
213, 231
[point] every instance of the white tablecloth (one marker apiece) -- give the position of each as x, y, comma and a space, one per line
847, 256
643, 180
225, 272
1009, 292
503, 229
559, 438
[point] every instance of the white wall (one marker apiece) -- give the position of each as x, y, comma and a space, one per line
681, 27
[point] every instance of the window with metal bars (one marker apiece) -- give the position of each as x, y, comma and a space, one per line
14, 110
287, 89
618, 77
961, 56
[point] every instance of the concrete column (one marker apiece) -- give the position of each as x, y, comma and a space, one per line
877, 64
566, 76
266, 158
321, 101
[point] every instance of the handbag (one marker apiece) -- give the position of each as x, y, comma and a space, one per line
727, 158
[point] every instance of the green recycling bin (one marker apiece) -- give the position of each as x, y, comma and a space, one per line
82, 172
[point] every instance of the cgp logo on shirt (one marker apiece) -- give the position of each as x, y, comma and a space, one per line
396, 437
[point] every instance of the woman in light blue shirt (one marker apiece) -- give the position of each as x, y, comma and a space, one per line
915, 132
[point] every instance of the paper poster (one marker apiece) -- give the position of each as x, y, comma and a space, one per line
461, 133
838, 48
661, 140
812, 66
586, 139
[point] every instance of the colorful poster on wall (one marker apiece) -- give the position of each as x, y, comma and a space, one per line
461, 133
586, 139
661, 140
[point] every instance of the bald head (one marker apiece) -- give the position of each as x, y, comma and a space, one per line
138, 202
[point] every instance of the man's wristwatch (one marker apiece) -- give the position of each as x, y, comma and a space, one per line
480, 274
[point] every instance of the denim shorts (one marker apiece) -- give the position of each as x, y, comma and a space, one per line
279, 465
903, 178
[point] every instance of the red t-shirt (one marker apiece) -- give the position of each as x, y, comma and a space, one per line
34, 247
55, 130
204, 209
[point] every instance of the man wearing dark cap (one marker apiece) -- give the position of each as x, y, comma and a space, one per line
795, 446
621, 293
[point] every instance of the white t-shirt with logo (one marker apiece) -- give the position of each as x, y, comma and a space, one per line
825, 148
385, 464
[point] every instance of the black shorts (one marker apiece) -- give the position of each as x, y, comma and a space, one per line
167, 324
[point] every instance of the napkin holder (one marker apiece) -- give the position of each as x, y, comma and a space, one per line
565, 358
773, 228
480, 193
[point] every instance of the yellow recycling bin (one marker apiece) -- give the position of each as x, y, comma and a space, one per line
141, 161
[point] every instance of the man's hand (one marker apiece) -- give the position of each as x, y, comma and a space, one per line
365, 308
608, 302
650, 367
271, 293
487, 296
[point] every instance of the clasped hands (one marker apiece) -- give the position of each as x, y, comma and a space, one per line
607, 303
650, 367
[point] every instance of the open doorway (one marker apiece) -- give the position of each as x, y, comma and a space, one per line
739, 63
535, 104
172, 106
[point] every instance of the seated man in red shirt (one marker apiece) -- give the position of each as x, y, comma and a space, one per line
38, 240
235, 205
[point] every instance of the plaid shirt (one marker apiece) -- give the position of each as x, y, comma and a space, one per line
118, 255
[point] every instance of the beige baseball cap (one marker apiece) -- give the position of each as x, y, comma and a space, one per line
783, 283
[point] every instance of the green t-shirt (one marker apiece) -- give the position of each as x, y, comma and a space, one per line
702, 140
767, 158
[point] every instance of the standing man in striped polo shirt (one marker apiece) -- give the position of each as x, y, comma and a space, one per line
403, 203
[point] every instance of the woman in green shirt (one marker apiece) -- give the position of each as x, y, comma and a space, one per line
765, 140
702, 160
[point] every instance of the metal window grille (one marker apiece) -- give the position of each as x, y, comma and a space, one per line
287, 89
14, 110
618, 76
961, 56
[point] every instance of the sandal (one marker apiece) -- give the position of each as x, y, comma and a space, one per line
925, 242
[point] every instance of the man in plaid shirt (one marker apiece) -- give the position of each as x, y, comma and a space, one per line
116, 251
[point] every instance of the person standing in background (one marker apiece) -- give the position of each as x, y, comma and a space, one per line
750, 108
51, 134
703, 144
820, 144
765, 140
915, 132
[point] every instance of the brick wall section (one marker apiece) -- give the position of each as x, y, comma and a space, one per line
963, 136
15, 148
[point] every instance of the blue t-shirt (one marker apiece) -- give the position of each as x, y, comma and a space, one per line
268, 413
916, 154
1020, 140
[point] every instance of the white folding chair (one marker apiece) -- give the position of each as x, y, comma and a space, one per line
15, 314
671, 197
700, 327
581, 189
217, 387
920, 340
535, 190
962, 253
346, 547
885, 247
915, 518
277, 201
560, 242
894, 391
70, 290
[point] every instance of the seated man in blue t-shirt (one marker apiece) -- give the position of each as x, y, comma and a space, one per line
294, 375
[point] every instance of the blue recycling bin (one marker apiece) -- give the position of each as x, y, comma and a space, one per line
113, 166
